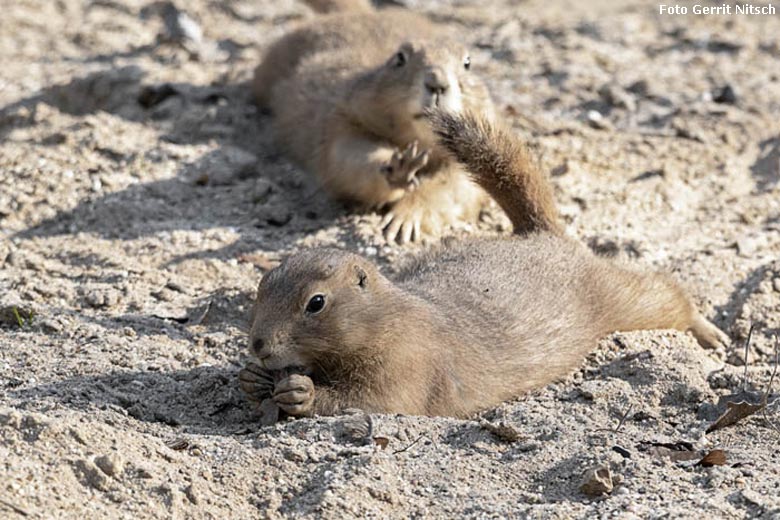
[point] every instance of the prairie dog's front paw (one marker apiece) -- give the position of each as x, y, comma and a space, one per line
403, 166
295, 394
256, 382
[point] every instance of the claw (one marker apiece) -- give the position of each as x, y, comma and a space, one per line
404, 165
386, 219
406, 232
391, 232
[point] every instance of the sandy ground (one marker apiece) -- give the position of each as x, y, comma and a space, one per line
134, 228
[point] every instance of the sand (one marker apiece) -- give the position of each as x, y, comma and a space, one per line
142, 198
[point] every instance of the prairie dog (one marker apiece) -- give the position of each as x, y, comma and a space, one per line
464, 327
348, 92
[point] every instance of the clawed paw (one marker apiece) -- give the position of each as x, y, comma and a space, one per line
256, 382
402, 227
294, 394
402, 169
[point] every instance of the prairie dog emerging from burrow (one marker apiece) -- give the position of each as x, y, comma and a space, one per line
348, 92
465, 326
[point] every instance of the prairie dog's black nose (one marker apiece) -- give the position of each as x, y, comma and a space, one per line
436, 81
257, 346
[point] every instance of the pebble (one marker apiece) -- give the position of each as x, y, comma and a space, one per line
596, 120
112, 464
179, 26
746, 246
192, 495
776, 284
616, 97
92, 475
726, 94
597, 481
98, 298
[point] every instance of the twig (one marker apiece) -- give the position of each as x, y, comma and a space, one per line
774, 371
396, 452
769, 386
14, 508
623, 418
747, 354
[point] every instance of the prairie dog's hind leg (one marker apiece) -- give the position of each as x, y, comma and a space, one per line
635, 301
707, 333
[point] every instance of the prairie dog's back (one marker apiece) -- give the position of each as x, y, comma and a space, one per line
523, 304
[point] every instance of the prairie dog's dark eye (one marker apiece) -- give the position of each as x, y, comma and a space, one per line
467, 62
316, 304
400, 59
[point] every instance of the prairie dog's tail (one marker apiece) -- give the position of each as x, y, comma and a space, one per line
501, 164
337, 6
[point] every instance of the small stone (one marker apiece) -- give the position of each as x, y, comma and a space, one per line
358, 427
726, 94
192, 495
153, 95
112, 464
748, 495
294, 455
640, 88
616, 97
776, 284
179, 26
92, 475
594, 390
746, 246
597, 482
99, 298
596, 120
502, 431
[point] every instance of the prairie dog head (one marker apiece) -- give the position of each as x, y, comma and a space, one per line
418, 76
432, 76
314, 308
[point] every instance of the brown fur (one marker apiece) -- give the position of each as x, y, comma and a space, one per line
346, 106
463, 327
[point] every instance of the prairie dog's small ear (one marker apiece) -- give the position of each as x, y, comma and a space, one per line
362, 276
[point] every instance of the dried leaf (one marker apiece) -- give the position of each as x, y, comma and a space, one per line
736, 411
713, 458
745, 404
382, 442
